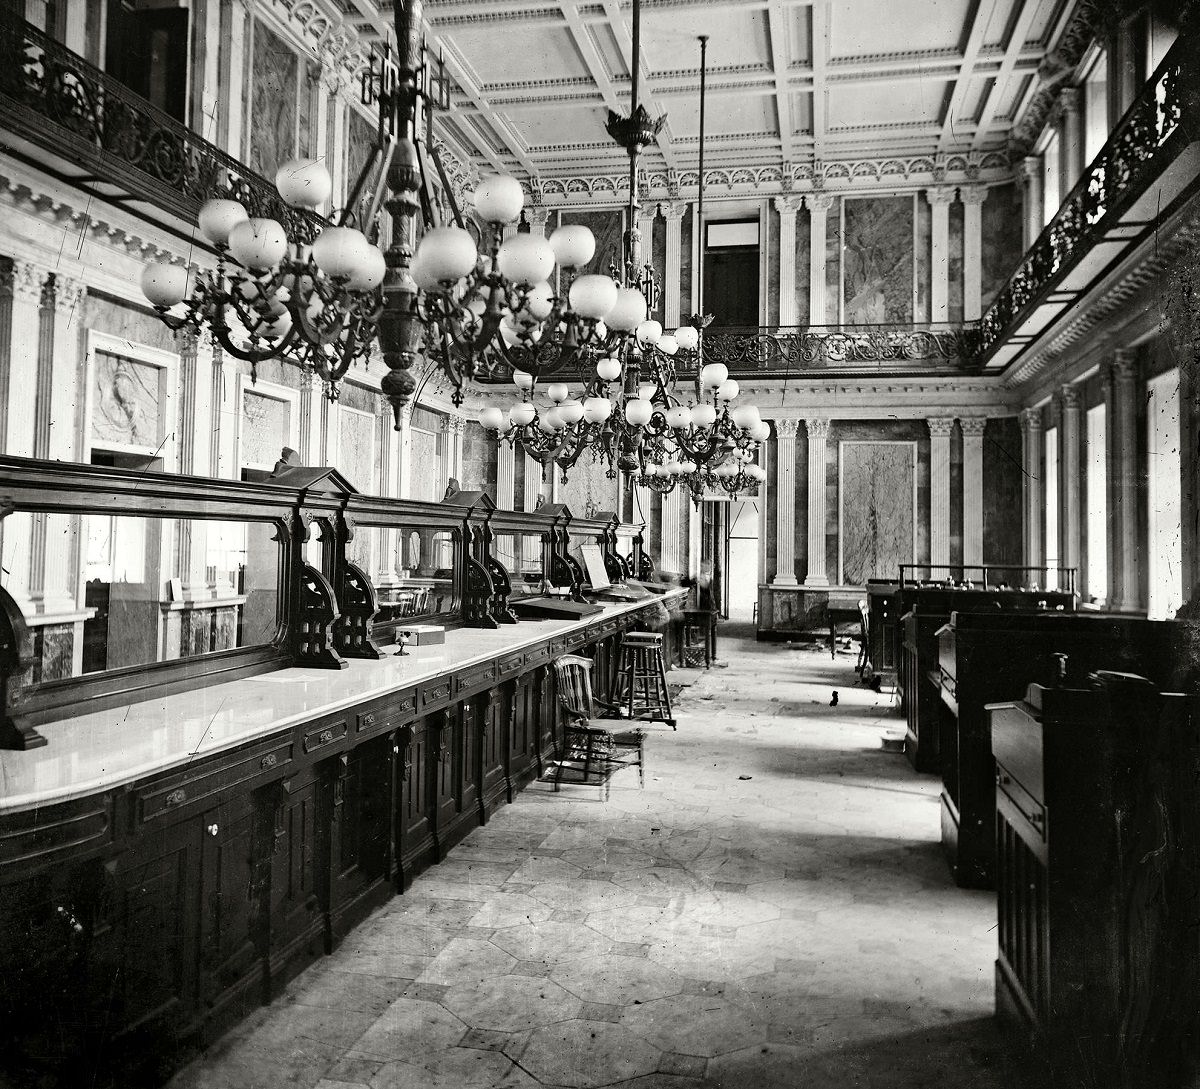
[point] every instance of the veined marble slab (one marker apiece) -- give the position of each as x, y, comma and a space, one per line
102, 749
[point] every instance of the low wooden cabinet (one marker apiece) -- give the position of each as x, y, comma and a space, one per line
1097, 878
154, 914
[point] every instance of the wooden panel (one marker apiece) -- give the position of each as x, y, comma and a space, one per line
324, 735
434, 694
38, 836
475, 678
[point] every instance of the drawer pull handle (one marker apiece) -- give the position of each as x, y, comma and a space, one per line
268, 761
324, 737
176, 797
213, 829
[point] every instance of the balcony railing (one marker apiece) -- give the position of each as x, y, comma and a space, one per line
1144, 144
107, 136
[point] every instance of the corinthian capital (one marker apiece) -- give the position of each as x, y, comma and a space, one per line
817, 428
786, 429
22, 281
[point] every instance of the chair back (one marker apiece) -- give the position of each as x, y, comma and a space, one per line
574, 677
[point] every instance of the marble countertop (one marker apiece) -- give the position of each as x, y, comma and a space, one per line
102, 749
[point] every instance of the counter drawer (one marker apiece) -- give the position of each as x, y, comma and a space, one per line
324, 735
434, 694
34, 837
538, 655
390, 714
164, 798
479, 677
510, 664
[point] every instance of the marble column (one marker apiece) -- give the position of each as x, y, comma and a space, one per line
972, 476
404, 470
972, 197
1123, 445
940, 428
222, 456
538, 216
787, 206
534, 486
1034, 205
453, 458
645, 230
1071, 502
939, 200
1071, 146
673, 212
1031, 489
671, 526
21, 287
505, 476
695, 528
818, 448
785, 502
818, 214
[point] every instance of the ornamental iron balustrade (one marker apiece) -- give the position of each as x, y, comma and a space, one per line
101, 126
1144, 143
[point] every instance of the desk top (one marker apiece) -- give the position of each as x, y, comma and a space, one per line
101, 749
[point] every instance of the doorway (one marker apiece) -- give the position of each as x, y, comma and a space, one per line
147, 50
741, 566
731, 262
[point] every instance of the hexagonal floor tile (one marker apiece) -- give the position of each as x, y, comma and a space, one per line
405, 1020
616, 980
551, 942
578, 895
510, 909
467, 960
729, 909
511, 1003
695, 1024
542, 868
454, 1068
707, 957
581, 1054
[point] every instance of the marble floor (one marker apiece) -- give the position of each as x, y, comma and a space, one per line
770, 911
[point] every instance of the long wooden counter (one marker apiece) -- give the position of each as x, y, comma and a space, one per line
168, 865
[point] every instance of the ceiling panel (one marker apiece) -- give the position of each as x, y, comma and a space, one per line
865, 29
886, 103
737, 36
502, 53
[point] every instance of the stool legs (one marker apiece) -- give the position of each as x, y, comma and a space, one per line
642, 683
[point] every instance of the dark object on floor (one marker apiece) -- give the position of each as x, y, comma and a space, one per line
743, 778
877, 683
833, 702
893, 742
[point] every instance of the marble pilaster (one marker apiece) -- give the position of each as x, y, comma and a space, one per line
1033, 203
1069, 440
673, 212
21, 287
538, 217
404, 467
1123, 449
972, 477
818, 448
671, 527
1070, 138
972, 197
505, 476
787, 206
818, 215
1031, 488
939, 200
940, 428
785, 502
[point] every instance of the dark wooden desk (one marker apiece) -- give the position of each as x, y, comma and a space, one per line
1097, 879
986, 657
882, 620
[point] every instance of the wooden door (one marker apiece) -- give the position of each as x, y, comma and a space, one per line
494, 716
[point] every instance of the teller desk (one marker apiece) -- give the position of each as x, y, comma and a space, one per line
1098, 877
922, 610
983, 658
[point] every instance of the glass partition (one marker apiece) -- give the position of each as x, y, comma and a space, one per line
520, 555
411, 568
102, 592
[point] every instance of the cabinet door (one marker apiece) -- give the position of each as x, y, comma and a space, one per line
444, 730
468, 754
414, 806
495, 712
231, 905
522, 733
295, 921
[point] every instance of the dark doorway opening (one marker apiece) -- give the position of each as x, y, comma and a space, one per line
147, 50
731, 273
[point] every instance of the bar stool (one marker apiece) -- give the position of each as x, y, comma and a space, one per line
642, 679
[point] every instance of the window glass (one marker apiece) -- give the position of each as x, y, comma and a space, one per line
1165, 506
1051, 191
1051, 492
1097, 504
1095, 108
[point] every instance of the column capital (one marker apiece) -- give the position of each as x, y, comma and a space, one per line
1031, 168
940, 195
68, 293
23, 281
788, 204
1070, 396
1069, 100
940, 426
786, 428
538, 218
817, 428
973, 194
673, 210
1031, 420
819, 202
1124, 365
972, 426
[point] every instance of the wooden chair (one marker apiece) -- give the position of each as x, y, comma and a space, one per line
596, 753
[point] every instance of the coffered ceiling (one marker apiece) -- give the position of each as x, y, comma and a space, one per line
793, 85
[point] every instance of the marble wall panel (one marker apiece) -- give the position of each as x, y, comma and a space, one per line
1001, 239
360, 135
877, 509
428, 475
272, 101
658, 250
126, 402
1002, 480
225, 625
878, 249
833, 264
106, 315
479, 459
608, 225
686, 310
588, 488
922, 248
53, 645
266, 428
773, 258
954, 296
359, 449
803, 242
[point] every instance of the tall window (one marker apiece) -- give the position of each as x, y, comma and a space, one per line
1095, 107
1097, 504
1052, 556
1165, 507
1051, 188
